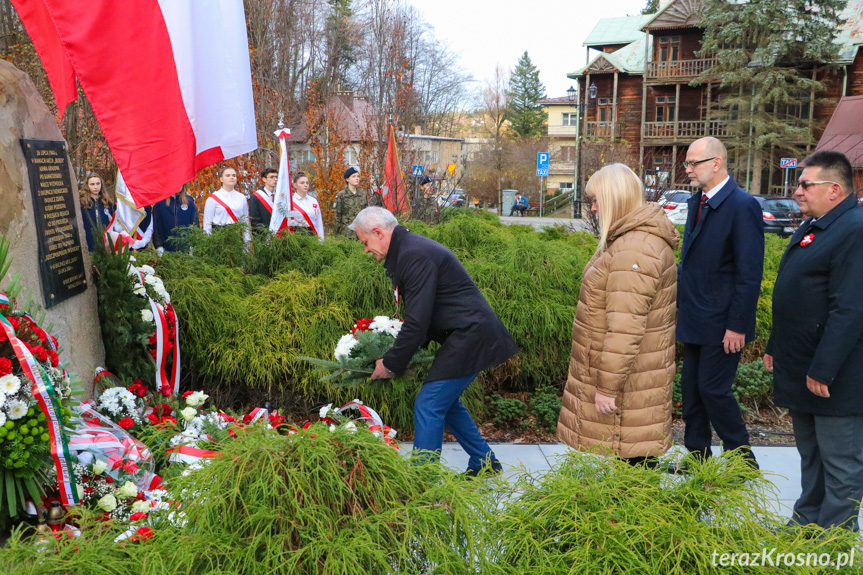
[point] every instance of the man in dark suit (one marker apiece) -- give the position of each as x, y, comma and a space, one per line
816, 348
261, 202
442, 304
719, 280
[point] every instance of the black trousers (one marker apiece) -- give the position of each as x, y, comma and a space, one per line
831, 469
706, 379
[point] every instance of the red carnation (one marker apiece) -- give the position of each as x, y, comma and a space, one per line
94, 421
53, 357
137, 516
166, 390
108, 478
3, 336
130, 467
162, 409
152, 417
276, 419
126, 423
39, 352
5, 366
188, 393
362, 324
40, 333
168, 419
138, 388
15, 322
54, 341
142, 533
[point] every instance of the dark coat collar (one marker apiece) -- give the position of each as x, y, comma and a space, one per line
399, 233
833, 214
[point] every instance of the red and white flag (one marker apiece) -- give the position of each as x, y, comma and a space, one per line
393, 190
168, 80
283, 199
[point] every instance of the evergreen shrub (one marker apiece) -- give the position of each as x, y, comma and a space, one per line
546, 405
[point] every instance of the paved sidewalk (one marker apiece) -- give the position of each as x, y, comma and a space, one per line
780, 465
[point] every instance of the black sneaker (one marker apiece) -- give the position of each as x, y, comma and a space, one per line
495, 468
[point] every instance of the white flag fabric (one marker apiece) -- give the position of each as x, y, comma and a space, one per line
282, 199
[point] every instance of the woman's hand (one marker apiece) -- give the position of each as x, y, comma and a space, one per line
605, 404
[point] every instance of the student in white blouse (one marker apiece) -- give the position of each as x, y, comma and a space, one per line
226, 206
307, 211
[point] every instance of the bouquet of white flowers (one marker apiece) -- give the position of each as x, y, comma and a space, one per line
356, 352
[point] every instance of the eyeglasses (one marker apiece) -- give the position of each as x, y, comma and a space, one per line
696, 162
806, 184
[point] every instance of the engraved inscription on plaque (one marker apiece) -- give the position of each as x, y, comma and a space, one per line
61, 263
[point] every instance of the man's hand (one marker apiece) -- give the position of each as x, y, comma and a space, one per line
605, 404
380, 371
733, 341
768, 362
817, 387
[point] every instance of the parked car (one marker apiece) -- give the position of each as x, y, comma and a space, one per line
454, 199
781, 215
674, 204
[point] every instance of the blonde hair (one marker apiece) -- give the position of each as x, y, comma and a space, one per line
618, 191
182, 195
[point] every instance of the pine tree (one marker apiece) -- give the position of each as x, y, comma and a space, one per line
771, 56
525, 90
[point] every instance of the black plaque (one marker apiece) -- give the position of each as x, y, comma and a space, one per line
61, 262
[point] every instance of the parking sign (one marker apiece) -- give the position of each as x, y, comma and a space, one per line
542, 164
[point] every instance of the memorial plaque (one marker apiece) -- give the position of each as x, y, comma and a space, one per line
61, 263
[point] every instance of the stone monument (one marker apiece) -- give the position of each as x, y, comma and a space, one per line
44, 251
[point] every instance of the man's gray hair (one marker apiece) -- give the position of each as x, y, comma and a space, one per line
374, 217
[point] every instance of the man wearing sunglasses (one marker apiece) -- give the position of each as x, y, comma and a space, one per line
816, 349
718, 283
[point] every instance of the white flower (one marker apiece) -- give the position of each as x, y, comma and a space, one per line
325, 410
2, 418
2, 398
196, 398
85, 458
99, 467
107, 503
140, 290
147, 270
189, 413
9, 384
351, 426
17, 409
146, 315
132, 259
332, 427
345, 345
80, 489
140, 507
128, 490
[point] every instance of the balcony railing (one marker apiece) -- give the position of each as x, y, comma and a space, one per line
678, 69
684, 131
561, 130
601, 130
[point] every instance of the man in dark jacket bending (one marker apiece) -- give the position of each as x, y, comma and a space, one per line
442, 304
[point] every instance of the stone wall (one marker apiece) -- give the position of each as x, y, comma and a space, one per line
75, 321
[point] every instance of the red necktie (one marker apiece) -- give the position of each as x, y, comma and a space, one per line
701, 205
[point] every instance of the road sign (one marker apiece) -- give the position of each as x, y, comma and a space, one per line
450, 168
542, 164
788, 163
418, 170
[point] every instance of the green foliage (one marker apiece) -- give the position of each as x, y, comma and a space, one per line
124, 333
508, 410
546, 406
524, 91
753, 385
599, 515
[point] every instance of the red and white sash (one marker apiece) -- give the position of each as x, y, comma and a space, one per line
306, 216
264, 200
224, 205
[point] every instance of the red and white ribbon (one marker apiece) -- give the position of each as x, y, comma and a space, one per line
189, 454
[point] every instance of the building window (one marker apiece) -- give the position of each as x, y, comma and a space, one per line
799, 110
668, 49
570, 119
350, 156
303, 157
665, 108
564, 187
604, 109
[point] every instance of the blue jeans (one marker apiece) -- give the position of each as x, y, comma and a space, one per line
438, 404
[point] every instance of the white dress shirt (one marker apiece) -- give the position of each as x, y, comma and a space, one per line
310, 205
216, 215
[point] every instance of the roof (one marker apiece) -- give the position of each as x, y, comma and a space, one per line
850, 36
676, 14
622, 30
354, 115
844, 133
559, 101
629, 59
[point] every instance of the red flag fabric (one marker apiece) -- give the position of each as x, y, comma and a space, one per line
393, 191
168, 80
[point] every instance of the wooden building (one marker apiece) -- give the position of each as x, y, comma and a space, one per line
646, 104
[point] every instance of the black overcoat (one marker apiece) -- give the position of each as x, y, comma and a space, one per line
721, 262
259, 215
442, 304
818, 315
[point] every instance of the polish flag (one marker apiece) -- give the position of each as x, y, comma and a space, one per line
283, 199
168, 80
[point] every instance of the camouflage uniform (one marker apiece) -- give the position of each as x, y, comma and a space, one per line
345, 209
424, 209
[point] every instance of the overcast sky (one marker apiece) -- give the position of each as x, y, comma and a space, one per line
490, 32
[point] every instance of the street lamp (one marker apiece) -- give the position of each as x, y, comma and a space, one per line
570, 95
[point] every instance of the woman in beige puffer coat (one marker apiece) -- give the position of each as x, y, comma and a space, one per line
618, 391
